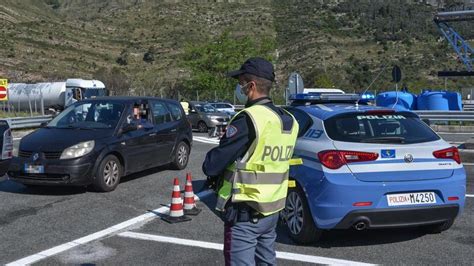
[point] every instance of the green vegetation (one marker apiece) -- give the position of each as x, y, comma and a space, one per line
209, 62
181, 47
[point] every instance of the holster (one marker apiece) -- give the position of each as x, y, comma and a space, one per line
239, 212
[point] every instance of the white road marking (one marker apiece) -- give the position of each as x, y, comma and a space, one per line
217, 246
469, 195
206, 140
100, 234
468, 164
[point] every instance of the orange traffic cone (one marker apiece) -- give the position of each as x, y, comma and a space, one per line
189, 203
176, 214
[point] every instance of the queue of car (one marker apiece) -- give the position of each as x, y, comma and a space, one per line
363, 166
203, 116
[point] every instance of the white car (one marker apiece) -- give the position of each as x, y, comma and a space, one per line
224, 107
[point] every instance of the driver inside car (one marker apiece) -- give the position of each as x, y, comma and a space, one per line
139, 117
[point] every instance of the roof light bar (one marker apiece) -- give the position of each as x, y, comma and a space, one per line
325, 97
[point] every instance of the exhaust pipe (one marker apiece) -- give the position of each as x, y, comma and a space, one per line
361, 225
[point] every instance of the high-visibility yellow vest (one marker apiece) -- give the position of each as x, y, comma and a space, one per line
260, 178
185, 106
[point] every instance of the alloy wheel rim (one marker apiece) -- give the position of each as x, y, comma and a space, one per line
111, 173
202, 127
294, 213
182, 155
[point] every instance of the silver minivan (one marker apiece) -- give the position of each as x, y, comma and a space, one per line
203, 116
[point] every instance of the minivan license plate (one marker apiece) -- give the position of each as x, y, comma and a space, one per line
34, 169
411, 198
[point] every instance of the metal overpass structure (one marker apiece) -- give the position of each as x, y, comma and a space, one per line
457, 42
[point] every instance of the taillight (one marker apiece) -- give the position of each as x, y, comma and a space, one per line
7, 150
362, 204
333, 159
449, 153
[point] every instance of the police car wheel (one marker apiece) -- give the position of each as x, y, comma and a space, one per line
181, 156
202, 127
298, 219
438, 228
108, 174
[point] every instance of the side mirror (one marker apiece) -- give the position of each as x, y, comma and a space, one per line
129, 127
147, 126
192, 111
44, 124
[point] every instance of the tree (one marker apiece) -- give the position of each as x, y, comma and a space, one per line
149, 56
210, 61
114, 79
123, 58
323, 81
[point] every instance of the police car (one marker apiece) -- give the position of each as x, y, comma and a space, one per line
368, 167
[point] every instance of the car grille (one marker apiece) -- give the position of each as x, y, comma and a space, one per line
223, 119
41, 177
25, 154
49, 155
52, 155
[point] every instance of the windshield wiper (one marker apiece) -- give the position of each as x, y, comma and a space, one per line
385, 140
73, 127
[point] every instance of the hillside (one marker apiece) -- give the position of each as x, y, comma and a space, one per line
343, 43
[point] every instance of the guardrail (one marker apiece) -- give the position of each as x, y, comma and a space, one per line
35, 121
464, 116
446, 115
27, 122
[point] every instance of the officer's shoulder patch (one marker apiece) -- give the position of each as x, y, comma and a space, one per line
231, 131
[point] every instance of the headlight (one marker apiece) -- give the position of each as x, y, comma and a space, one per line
78, 150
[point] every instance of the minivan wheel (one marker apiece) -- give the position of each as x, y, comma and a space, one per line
181, 156
298, 219
108, 174
202, 127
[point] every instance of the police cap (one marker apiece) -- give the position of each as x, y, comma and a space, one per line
255, 66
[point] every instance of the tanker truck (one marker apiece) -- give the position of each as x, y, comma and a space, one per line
52, 97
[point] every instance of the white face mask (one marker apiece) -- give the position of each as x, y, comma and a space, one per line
240, 94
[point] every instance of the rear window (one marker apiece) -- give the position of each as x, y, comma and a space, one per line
160, 113
397, 128
176, 111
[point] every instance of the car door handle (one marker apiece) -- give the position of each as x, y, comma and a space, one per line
152, 134
173, 130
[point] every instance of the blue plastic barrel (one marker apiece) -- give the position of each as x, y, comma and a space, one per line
405, 101
439, 100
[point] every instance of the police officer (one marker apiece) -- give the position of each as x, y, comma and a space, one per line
250, 167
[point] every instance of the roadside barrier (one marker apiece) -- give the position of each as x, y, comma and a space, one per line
176, 213
27, 122
189, 202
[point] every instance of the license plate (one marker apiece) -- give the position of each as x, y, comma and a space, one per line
411, 198
34, 169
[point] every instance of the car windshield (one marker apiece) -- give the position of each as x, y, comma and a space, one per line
206, 108
396, 128
92, 92
89, 115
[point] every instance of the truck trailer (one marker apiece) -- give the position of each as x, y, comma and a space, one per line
52, 96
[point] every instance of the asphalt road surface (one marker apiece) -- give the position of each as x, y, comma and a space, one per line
59, 225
